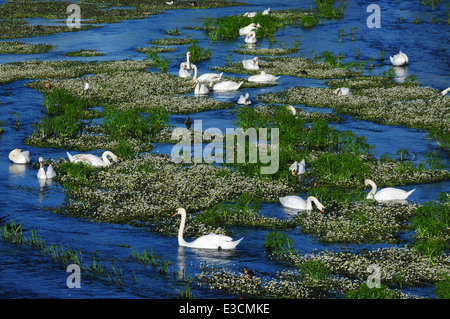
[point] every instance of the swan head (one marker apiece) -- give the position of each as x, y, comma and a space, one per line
179, 211
255, 60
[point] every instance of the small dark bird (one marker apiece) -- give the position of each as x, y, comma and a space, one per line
248, 273
47, 85
188, 122
302, 72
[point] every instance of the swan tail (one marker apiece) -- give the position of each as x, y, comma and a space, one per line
409, 193
240, 83
70, 157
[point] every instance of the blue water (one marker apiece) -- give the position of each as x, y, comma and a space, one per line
26, 273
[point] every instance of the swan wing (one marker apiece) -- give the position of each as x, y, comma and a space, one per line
391, 193
50, 172
214, 241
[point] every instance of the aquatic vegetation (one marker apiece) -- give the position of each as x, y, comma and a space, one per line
123, 194
10, 72
154, 49
381, 101
143, 90
364, 292
279, 243
228, 27
197, 53
172, 32
173, 41
16, 47
84, 52
266, 51
15, 29
299, 67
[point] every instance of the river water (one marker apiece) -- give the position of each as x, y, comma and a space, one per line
26, 273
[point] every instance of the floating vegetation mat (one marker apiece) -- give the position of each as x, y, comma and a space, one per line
375, 99
299, 67
17, 47
139, 89
84, 52
63, 69
154, 49
15, 29
266, 51
148, 188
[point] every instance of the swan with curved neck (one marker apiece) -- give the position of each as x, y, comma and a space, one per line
94, 160
296, 202
206, 77
388, 193
200, 89
184, 72
42, 174
250, 38
298, 168
251, 64
211, 241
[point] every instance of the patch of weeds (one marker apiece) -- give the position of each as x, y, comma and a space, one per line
364, 292
279, 243
17, 47
84, 53
198, 54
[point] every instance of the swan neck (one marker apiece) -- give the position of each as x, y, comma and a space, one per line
374, 187
181, 241
309, 202
195, 71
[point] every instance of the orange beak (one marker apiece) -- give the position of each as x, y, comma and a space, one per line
176, 213
293, 172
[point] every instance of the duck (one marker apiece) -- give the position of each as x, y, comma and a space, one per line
298, 168
249, 28
94, 160
227, 86
206, 77
251, 64
266, 12
243, 99
298, 203
47, 85
184, 72
18, 157
200, 89
42, 174
341, 91
399, 59
211, 241
386, 194
248, 273
444, 92
188, 122
250, 38
263, 77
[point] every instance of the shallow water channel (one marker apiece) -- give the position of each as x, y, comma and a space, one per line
26, 273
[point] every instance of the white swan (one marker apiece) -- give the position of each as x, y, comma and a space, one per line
18, 157
296, 202
267, 11
298, 168
444, 92
388, 193
200, 89
211, 241
249, 28
92, 159
292, 109
250, 38
206, 77
341, 91
184, 72
263, 77
42, 174
86, 85
227, 86
243, 99
250, 14
399, 59
251, 64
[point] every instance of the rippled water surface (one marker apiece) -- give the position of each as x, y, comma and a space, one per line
26, 273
